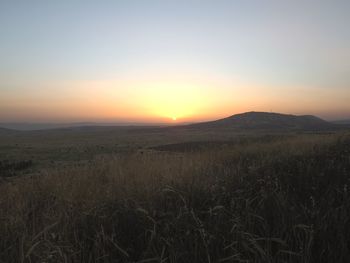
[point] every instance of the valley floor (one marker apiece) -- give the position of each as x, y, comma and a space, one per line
275, 198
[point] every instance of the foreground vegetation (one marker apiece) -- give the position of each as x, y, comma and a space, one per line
284, 199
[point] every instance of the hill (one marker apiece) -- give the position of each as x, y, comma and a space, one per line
342, 122
28, 126
4, 131
249, 121
267, 121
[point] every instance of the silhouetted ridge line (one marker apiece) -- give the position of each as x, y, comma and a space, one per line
267, 121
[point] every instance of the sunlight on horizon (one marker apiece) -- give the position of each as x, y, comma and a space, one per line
189, 60
174, 100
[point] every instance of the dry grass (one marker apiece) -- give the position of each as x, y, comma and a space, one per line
282, 201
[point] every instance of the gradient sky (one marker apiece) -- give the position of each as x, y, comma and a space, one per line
153, 60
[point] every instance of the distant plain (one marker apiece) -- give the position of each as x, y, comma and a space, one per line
194, 193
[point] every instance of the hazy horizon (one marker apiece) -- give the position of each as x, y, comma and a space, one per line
155, 61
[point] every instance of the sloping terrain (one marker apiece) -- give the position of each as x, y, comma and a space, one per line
6, 131
267, 121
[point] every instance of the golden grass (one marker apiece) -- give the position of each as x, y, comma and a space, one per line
281, 201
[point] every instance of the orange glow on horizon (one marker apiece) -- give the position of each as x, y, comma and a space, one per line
161, 98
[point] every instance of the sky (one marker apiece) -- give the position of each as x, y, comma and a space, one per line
157, 61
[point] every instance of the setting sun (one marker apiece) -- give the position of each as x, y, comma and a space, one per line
152, 63
180, 130
173, 99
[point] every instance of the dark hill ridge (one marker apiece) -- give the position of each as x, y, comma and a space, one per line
5, 131
268, 121
249, 121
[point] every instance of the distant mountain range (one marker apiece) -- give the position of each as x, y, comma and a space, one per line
259, 121
5, 131
267, 121
50, 126
344, 122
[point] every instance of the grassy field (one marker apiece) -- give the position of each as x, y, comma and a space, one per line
152, 196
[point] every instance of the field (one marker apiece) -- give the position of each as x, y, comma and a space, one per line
156, 195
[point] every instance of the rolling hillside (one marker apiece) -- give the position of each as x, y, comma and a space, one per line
267, 121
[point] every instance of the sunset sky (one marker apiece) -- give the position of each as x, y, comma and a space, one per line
152, 61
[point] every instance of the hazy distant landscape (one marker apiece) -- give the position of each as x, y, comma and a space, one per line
254, 187
174, 131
